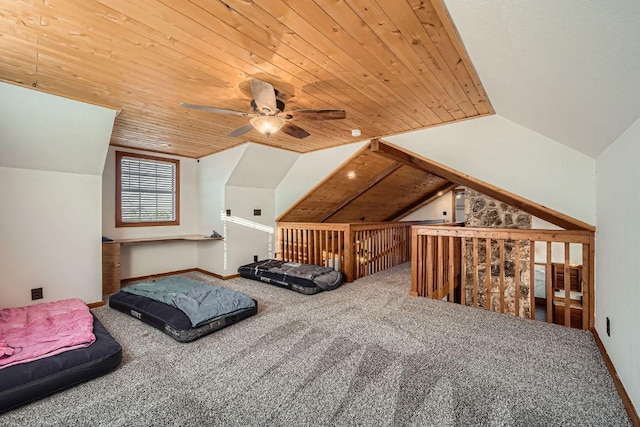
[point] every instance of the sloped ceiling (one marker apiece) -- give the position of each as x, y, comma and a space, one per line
384, 182
566, 69
45, 132
261, 167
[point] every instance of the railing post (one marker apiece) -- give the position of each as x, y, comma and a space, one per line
414, 262
349, 258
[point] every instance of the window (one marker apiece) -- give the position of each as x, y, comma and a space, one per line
147, 190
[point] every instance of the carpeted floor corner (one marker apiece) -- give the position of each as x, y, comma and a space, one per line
365, 354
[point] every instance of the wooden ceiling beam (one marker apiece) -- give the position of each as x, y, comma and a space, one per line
398, 154
378, 178
422, 202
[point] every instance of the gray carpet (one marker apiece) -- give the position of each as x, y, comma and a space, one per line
365, 354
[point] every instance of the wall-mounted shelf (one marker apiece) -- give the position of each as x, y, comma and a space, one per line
189, 237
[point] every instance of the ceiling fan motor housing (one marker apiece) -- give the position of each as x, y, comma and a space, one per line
279, 107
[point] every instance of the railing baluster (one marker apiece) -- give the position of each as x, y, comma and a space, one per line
502, 290
585, 287
488, 304
451, 271
440, 262
476, 278
463, 271
532, 279
430, 271
567, 286
549, 291
516, 256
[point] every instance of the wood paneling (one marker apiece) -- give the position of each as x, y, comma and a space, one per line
394, 66
404, 187
110, 268
366, 188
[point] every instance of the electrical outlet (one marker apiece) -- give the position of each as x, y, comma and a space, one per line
608, 327
36, 293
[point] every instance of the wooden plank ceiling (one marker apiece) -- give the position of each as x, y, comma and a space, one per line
393, 65
383, 182
368, 187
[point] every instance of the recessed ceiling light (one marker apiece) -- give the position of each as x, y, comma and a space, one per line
351, 174
355, 132
439, 193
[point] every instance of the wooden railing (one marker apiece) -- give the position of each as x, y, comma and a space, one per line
323, 244
380, 246
451, 263
355, 249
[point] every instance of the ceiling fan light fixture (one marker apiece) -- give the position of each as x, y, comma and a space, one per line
267, 125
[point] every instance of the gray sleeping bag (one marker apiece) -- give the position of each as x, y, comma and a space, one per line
304, 278
199, 301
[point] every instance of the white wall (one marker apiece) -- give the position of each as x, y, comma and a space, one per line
308, 170
248, 235
512, 157
50, 234
618, 256
214, 172
152, 258
52, 151
434, 210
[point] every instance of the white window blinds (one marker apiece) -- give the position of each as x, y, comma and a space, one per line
148, 190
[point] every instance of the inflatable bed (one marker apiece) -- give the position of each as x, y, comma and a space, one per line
182, 308
304, 278
34, 365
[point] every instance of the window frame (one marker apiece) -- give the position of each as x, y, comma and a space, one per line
119, 222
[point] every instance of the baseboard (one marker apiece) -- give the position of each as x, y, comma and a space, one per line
628, 405
217, 276
95, 304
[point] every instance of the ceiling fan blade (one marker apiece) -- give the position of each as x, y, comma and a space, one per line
215, 110
264, 95
316, 114
295, 131
241, 130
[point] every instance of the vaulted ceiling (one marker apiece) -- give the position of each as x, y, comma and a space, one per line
393, 65
384, 182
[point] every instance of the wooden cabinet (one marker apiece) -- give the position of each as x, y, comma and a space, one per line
110, 268
575, 315
575, 301
575, 277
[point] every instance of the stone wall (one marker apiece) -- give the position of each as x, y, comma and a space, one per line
484, 211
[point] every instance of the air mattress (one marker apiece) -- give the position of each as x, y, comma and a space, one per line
304, 278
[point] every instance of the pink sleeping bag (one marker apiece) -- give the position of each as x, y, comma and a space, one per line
42, 330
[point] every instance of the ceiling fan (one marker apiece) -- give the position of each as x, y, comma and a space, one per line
268, 116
